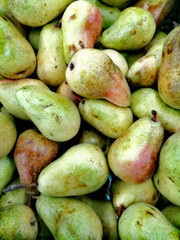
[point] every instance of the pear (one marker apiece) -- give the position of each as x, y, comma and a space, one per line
81, 169
51, 65
17, 57
92, 74
32, 153
144, 221
169, 74
68, 218
8, 133
37, 13
158, 35
33, 37
7, 167
133, 156
56, 117
172, 213
119, 3
132, 30
166, 178
144, 100
18, 221
81, 26
8, 89
124, 194
107, 118
44, 232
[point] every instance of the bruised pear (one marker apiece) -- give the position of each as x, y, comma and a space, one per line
133, 156
92, 74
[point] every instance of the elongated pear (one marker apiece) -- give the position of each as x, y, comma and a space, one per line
8, 89
144, 221
56, 117
80, 170
133, 156
172, 213
145, 100
68, 218
17, 57
109, 119
92, 74
81, 26
51, 65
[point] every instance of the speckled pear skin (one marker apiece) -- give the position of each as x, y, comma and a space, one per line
17, 57
18, 221
169, 74
81, 26
133, 156
172, 213
92, 74
68, 218
56, 117
133, 29
166, 178
144, 221
82, 169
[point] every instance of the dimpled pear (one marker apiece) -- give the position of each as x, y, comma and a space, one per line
68, 218
17, 57
81, 26
81, 169
56, 117
133, 29
92, 74
166, 178
143, 221
133, 156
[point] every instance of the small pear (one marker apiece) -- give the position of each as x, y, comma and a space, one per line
81, 169
144, 100
119, 3
172, 213
92, 74
56, 117
133, 156
68, 218
18, 221
33, 37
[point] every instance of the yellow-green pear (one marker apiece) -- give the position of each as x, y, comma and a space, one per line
17, 57
80, 170
172, 213
51, 65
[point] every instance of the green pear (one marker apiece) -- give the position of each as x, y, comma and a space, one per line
18, 221
4, 7
158, 35
143, 221
81, 169
69, 218
33, 37
92, 74
133, 156
133, 57
169, 74
44, 232
144, 100
56, 117
107, 118
7, 167
119, 3
17, 57
8, 133
81, 26
124, 194
172, 213
37, 13
132, 30
51, 65
166, 178
8, 89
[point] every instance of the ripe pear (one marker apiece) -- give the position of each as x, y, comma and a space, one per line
69, 218
17, 57
144, 221
81, 169
144, 100
133, 156
172, 213
56, 117
81, 26
92, 74
166, 178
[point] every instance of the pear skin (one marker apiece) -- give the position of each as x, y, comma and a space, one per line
33, 37
172, 213
119, 3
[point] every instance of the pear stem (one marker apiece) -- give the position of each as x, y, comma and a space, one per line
79, 98
154, 117
18, 186
119, 210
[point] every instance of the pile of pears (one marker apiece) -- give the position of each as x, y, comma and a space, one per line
89, 120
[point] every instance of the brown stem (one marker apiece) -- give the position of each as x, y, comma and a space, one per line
79, 98
154, 117
18, 186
